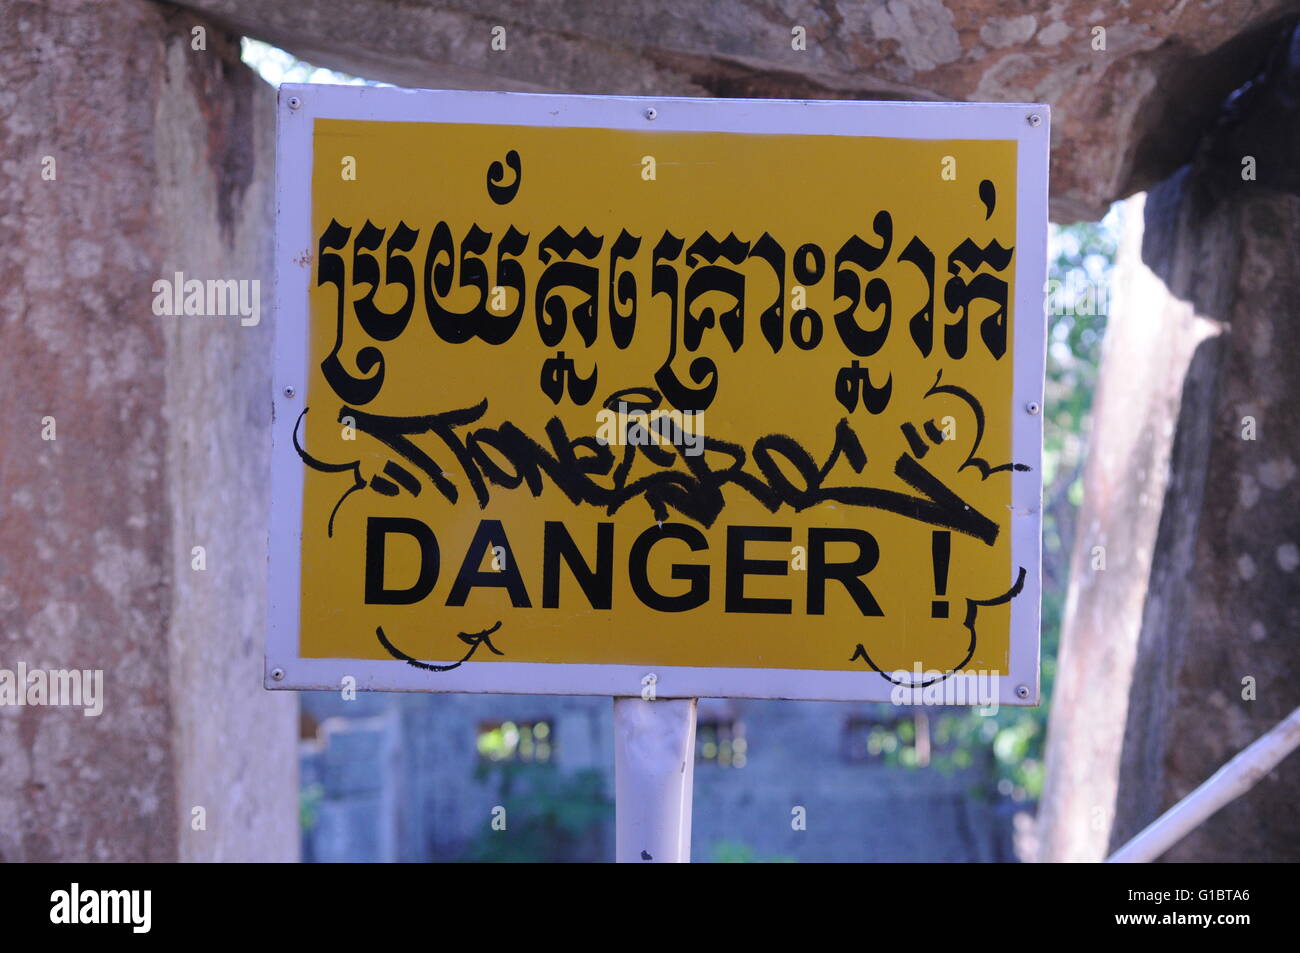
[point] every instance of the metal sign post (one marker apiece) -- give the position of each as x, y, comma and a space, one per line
654, 772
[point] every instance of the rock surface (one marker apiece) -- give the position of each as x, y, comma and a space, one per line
162, 158
1182, 651
1124, 117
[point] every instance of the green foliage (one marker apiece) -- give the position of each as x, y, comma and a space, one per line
526, 741
1081, 258
551, 815
734, 852
309, 799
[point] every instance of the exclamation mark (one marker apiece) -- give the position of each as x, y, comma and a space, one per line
940, 550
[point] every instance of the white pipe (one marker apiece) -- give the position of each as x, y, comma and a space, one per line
654, 773
1227, 784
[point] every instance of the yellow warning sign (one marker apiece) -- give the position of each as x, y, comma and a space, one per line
658, 398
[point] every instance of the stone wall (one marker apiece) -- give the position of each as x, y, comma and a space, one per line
162, 162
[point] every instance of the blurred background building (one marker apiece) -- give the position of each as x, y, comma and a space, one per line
418, 778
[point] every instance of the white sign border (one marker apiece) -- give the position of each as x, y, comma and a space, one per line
298, 108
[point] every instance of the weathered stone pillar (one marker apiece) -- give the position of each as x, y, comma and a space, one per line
1183, 649
127, 155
